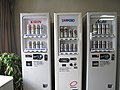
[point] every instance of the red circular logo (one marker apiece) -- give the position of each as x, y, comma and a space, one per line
73, 83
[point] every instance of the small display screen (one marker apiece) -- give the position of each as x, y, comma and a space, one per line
65, 60
37, 56
104, 56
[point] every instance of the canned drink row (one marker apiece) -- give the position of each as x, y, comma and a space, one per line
34, 28
34, 44
68, 47
101, 29
102, 44
66, 32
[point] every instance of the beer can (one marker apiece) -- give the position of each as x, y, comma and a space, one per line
99, 27
41, 27
103, 28
32, 28
94, 28
41, 44
28, 29
38, 44
99, 44
29, 44
70, 47
70, 33
62, 47
61, 32
108, 31
108, 44
74, 47
37, 29
111, 44
74, 33
95, 44
103, 44
34, 44
107, 26
65, 32
65, 47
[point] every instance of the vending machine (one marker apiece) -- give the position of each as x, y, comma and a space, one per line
68, 51
35, 51
101, 50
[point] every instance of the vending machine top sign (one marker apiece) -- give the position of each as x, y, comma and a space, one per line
69, 20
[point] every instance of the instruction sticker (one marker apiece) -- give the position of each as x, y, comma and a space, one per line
38, 63
65, 69
104, 63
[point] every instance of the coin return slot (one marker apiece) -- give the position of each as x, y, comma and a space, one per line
73, 58
95, 63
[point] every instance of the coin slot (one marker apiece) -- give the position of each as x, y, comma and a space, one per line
73, 58
63, 65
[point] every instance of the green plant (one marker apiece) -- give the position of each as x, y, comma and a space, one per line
10, 65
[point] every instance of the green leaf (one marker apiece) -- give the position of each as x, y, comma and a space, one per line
12, 65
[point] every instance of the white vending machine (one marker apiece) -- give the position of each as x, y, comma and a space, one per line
35, 51
101, 50
68, 51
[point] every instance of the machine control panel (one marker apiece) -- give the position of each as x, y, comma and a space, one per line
37, 57
103, 56
68, 62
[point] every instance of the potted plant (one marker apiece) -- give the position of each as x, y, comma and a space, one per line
10, 65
